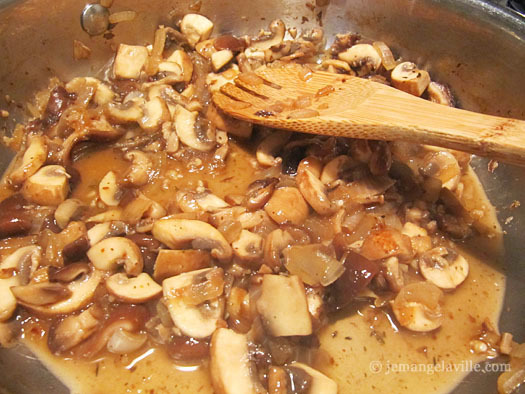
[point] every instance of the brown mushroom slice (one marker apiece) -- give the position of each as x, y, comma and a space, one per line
408, 78
417, 307
441, 94
68, 273
259, 192
196, 321
174, 262
130, 61
269, 39
133, 290
230, 365
68, 210
82, 291
141, 166
180, 233
48, 186
34, 157
108, 190
185, 126
363, 58
444, 267
268, 148
287, 205
43, 293
155, 113
249, 246
319, 383
311, 187
72, 330
107, 254
280, 318
196, 28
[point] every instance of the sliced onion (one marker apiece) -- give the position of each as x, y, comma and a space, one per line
511, 380
122, 16
387, 58
123, 342
315, 264
205, 288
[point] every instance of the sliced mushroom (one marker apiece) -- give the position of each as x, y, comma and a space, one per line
189, 201
419, 238
408, 78
68, 210
185, 125
129, 112
104, 230
394, 274
174, 262
233, 126
441, 94
216, 81
311, 187
417, 307
336, 66
170, 136
133, 290
73, 330
82, 291
259, 192
284, 318
271, 38
287, 205
107, 254
123, 342
183, 60
249, 246
68, 273
444, 166
363, 58
22, 262
155, 113
7, 299
230, 365
141, 166
197, 321
142, 211
130, 61
34, 157
268, 148
444, 267
274, 245
196, 28
48, 186
108, 190
334, 168
43, 293
319, 383
180, 233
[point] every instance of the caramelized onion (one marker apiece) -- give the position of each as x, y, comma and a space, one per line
124, 342
387, 58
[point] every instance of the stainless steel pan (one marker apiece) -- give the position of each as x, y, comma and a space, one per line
476, 47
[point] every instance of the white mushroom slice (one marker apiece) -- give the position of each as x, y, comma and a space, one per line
230, 363
141, 166
196, 28
334, 168
336, 65
444, 268
196, 321
41, 293
220, 58
287, 205
363, 58
269, 146
183, 60
440, 94
185, 127
170, 67
133, 290
19, 259
128, 112
314, 299
102, 230
68, 210
179, 233
48, 186
413, 230
170, 136
130, 61
82, 291
408, 78
108, 190
311, 187
269, 39
104, 94
417, 307
73, 330
216, 81
156, 112
320, 383
34, 157
444, 166
107, 254
189, 201
249, 246
284, 318
107, 216
7, 299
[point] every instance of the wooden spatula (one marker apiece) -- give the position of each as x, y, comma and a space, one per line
293, 97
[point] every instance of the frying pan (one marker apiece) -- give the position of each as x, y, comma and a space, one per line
476, 47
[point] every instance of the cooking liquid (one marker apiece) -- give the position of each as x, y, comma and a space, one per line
366, 349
